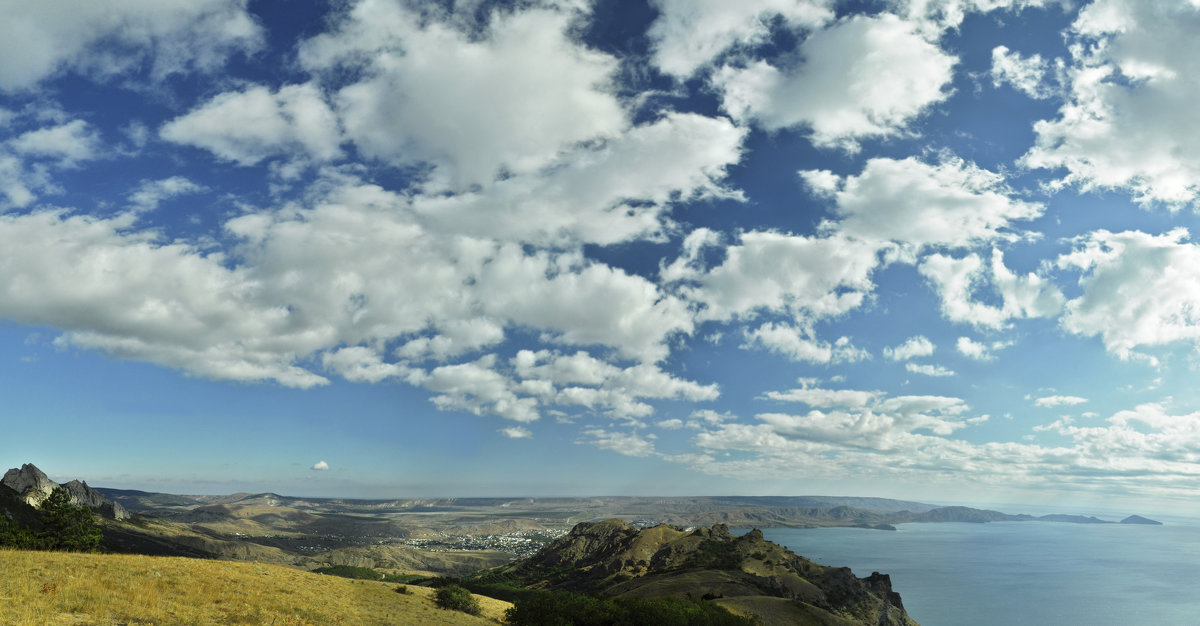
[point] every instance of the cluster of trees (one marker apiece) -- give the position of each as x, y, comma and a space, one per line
64, 527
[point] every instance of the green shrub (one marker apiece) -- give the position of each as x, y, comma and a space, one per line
455, 598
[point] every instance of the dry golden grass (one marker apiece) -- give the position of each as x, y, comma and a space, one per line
62, 588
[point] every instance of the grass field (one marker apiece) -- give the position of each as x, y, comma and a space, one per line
64, 588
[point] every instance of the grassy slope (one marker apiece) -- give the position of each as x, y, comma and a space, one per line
50, 587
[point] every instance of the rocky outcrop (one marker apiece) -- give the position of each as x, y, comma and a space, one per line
747, 574
31, 483
33, 486
82, 495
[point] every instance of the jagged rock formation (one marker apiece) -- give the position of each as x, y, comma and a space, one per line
33, 486
31, 483
747, 575
82, 495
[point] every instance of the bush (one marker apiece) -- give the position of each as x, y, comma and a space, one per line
456, 598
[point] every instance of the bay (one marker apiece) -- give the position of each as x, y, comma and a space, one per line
1003, 573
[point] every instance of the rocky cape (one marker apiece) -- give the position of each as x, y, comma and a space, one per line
747, 575
33, 486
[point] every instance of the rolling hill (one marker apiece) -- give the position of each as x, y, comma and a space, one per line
39, 588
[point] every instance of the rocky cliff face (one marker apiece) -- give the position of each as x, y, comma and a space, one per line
748, 574
82, 495
33, 486
31, 483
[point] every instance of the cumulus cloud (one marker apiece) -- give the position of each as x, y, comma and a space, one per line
801, 344
516, 432
67, 143
320, 466
861, 77
39, 40
936, 371
1139, 290
912, 347
809, 277
977, 350
628, 444
617, 190
434, 93
1027, 74
255, 123
150, 193
956, 280
1128, 122
869, 420
952, 203
689, 34
1053, 401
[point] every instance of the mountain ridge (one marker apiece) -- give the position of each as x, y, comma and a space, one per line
746, 574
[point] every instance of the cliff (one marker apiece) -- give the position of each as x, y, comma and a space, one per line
747, 575
33, 486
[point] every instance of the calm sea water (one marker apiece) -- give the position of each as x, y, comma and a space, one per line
1027, 573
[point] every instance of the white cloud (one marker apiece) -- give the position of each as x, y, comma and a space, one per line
953, 203
505, 100
1053, 401
861, 77
253, 124
618, 190
1128, 120
1026, 74
937, 15
821, 398
41, 39
516, 432
628, 444
1139, 290
810, 277
928, 370
67, 143
886, 424
689, 34
582, 380
150, 193
320, 466
800, 344
671, 424
912, 347
956, 280
978, 350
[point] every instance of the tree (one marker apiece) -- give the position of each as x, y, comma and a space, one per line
456, 598
66, 526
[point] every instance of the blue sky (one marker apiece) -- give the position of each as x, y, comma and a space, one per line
930, 249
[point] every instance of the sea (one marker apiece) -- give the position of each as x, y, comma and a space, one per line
1024, 573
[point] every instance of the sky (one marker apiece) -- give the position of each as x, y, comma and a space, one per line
927, 249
